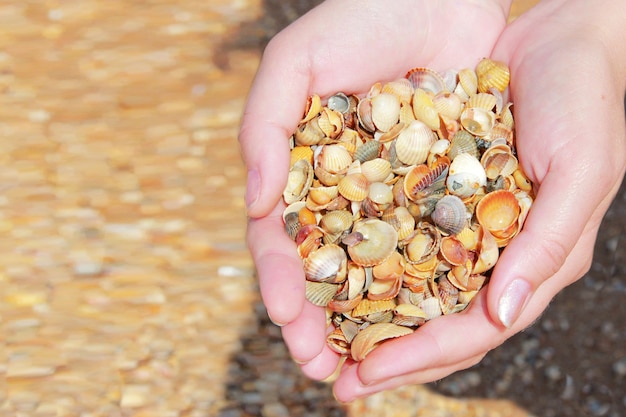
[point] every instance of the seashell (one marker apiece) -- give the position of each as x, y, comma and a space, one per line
424, 109
364, 114
500, 133
320, 293
379, 240
468, 81
401, 220
448, 105
483, 101
446, 293
354, 187
306, 216
308, 134
331, 122
339, 102
409, 315
335, 223
326, 264
349, 329
424, 185
391, 134
368, 151
308, 239
292, 224
506, 116
413, 143
338, 342
377, 170
333, 158
380, 193
344, 306
369, 338
453, 251
463, 142
426, 79
406, 113
469, 237
313, 108
401, 88
299, 181
450, 214
359, 280
492, 73
497, 212
477, 121
384, 289
466, 176
522, 181
487, 251
499, 161
367, 307
385, 111
320, 197
392, 268
431, 307
423, 245
301, 152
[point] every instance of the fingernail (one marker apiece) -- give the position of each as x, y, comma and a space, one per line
253, 186
512, 301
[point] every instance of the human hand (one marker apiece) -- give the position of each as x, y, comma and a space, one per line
339, 46
568, 67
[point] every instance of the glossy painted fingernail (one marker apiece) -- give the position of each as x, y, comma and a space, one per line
512, 301
253, 187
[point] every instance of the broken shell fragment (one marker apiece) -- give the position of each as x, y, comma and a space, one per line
367, 339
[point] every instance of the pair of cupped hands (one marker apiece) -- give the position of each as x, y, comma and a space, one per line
568, 75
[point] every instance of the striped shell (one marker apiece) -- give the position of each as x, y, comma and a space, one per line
450, 214
326, 264
413, 143
370, 337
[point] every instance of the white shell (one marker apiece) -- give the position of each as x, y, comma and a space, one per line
414, 142
466, 176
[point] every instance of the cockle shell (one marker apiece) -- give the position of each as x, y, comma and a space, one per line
498, 212
308, 239
422, 183
413, 143
379, 240
401, 220
423, 245
446, 293
385, 111
401, 88
335, 223
463, 142
344, 305
487, 251
377, 170
339, 102
522, 181
368, 151
492, 73
450, 214
333, 158
301, 152
477, 121
331, 122
483, 101
424, 109
367, 339
326, 264
367, 307
499, 161
320, 293
466, 176
313, 108
468, 83
299, 181
338, 342
308, 134
354, 187
426, 79
384, 289
410, 315
448, 105
453, 251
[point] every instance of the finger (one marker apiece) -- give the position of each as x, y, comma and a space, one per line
305, 337
322, 366
348, 387
279, 268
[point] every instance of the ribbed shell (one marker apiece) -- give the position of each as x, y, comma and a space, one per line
450, 214
385, 111
492, 73
413, 144
326, 264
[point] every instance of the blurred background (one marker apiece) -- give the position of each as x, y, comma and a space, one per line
126, 288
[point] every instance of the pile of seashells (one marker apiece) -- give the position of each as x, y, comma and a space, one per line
400, 200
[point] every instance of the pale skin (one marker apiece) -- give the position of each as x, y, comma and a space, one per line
568, 66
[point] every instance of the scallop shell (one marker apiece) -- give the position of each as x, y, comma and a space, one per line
377, 170
320, 293
413, 143
477, 121
498, 211
385, 111
463, 142
354, 187
466, 176
499, 161
426, 79
450, 214
326, 264
492, 73
379, 240
424, 109
299, 181
367, 339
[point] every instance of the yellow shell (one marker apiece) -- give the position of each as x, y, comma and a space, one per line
477, 121
370, 337
483, 101
377, 170
426, 79
385, 111
313, 108
492, 73
414, 142
401, 88
498, 211
424, 109
448, 105
354, 187
468, 82
326, 264
301, 152
298, 182
499, 161
378, 242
